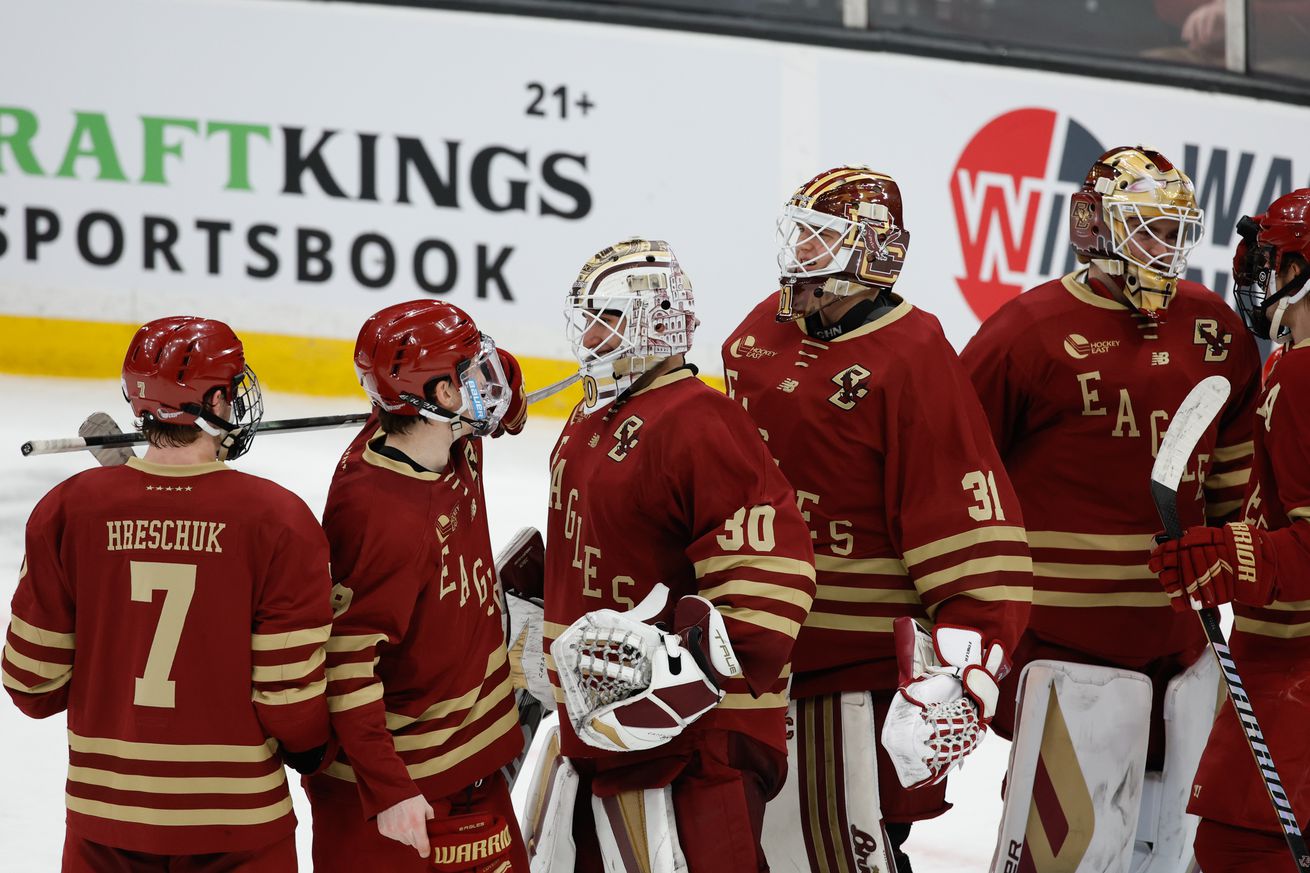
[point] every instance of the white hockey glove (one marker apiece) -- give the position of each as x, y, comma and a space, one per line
521, 571
629, 685
949, 687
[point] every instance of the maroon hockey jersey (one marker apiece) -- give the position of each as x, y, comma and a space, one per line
1271, 644
1079, 390
179, 614
418, 678
906, 501
674, 486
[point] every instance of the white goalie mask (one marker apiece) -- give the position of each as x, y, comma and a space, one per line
630, 308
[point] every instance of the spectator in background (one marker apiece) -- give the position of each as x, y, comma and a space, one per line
1276, 30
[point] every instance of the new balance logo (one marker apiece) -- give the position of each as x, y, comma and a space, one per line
1159, 359
788, 385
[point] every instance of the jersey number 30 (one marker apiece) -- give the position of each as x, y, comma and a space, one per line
178, 582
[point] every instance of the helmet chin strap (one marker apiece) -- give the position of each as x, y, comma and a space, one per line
459, 425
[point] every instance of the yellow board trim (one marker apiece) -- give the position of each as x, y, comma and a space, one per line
319, 366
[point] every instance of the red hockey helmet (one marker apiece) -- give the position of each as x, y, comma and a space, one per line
402, 349
173, 365
844, 229
1267, 242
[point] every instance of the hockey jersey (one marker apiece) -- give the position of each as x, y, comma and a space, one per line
908, 506
1079, 390
672, 485
179, 614
1271, 644
418, 678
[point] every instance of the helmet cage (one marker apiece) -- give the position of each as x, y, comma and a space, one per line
237, 432
1138, 229
1255, 288
622, 318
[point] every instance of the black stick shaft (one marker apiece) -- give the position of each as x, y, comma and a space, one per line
77, 444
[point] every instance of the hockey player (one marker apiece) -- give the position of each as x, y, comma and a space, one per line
1261, 564
866, 409
664, 506
177, 609
1079, 377
418, 680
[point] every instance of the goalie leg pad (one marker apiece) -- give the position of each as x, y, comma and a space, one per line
1165, 832
543, 802
638, 833
1074, 784
831, 746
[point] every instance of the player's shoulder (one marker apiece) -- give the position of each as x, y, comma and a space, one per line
1034, 305
1292, 370
1195, 298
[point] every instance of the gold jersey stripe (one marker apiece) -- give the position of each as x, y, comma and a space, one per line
287, 696
178, 784
132, 751
40, 688
1271, 628
1228, 480
443, 708
289, 672
502, 726
845, 594
553, 629
1059, 539
290, 639
866, 566
1219, 510
974, 567
977, 536
1289, 605
1300, 513
40, 636
747, 588
355, 643
1018, 593
44, 669
763, 563
179, 817
351, 670
1224, 454
766, 620
357, 698
1093, 599
498, 696
861, 623
744, 700
1124, 572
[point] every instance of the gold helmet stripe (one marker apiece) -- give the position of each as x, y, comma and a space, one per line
836, 178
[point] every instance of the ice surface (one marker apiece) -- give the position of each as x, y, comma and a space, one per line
32, 804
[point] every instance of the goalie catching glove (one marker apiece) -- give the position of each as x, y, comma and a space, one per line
629, 685
949, 687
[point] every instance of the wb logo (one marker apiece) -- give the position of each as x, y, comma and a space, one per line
851, 387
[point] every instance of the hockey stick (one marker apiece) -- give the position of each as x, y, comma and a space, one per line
1186, 428
321, 422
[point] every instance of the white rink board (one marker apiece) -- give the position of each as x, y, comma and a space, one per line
696, 139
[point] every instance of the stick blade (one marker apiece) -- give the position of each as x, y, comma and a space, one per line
1186, 428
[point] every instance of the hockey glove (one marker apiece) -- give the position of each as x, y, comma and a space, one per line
516, 414
949, 688
1208, 566
521, 569
629, 685
475, 843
